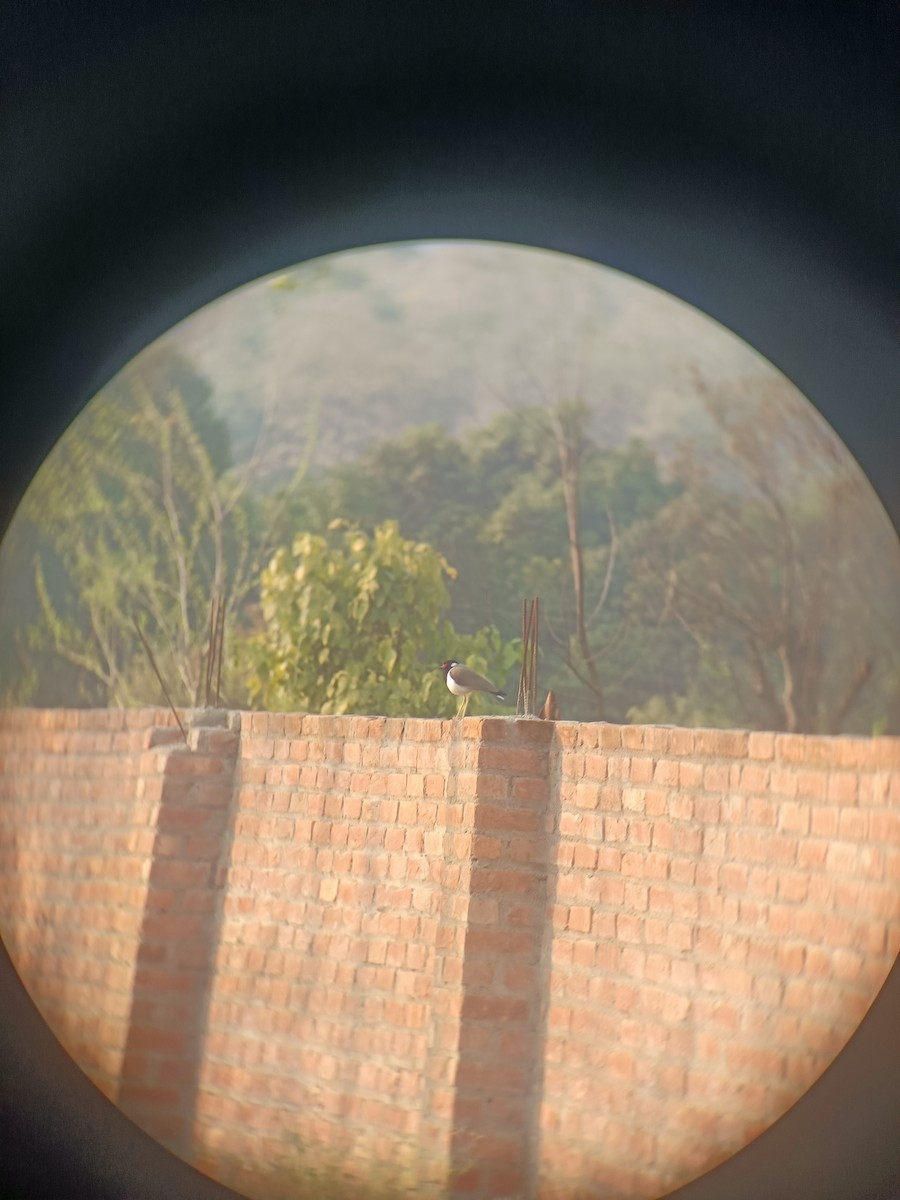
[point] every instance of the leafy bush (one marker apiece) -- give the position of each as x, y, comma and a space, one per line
354, 622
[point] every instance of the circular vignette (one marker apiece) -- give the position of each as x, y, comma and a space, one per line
499, 131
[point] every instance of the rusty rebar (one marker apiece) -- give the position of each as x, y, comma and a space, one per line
220, 642
525, 700
213, 618
165, 690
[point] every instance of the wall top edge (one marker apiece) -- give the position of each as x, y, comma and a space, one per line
808, 749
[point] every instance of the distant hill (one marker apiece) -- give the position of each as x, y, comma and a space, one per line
360, 345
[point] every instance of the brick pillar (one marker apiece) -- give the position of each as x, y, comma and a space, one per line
164, 1048
495, 1149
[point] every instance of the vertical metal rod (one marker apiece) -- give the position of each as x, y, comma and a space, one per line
527, 695
522, 697
213, 615
535, 626
531, 658
165, 691
220, 642
529, 698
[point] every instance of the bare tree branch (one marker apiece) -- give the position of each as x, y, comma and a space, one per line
855, 685
610, 566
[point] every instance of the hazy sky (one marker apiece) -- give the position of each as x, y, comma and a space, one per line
457, 328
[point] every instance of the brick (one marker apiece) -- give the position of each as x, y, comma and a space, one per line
632, 737
513, 759
721, 743
609, 859
690, 775
640, 833
666, 772
687, 841
663, 835
629, 928
762, 812
493, 787
642, 770
509, 882
877, 864
483, 911
193, 764
731, 980
565, 855
579, 919
843, 858
585, 857
842, 787
783, 782
884, 827
534, 790
794, 817
821, 890
716, 778
681, 741
595, 767
609, 736
656, 865
870, 752
680, 935
537, 733
793, 886
681, 807
683, 870
618, 768
587, 795
853, 824
761, 745
633, 864
655, 802
636, 896
610, 799
633, 800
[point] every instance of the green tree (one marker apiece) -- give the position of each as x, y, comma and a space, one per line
354, 622
136, 517
783, 574
426, 481
565, 527
493, 503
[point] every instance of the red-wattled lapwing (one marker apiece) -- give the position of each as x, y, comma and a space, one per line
462, 681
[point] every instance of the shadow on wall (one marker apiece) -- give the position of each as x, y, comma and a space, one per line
180, 934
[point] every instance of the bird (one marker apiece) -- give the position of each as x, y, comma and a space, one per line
462, 681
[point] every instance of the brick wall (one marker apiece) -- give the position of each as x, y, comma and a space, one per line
531, 956
726, 906
78, 814
336, 1007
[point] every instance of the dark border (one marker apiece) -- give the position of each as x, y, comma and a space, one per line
155, 155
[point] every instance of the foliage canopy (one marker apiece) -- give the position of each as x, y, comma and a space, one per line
354, 622
748, 587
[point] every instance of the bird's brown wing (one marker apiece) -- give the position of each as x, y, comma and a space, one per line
468, 678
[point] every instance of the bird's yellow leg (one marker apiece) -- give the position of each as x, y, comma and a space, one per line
465, 704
